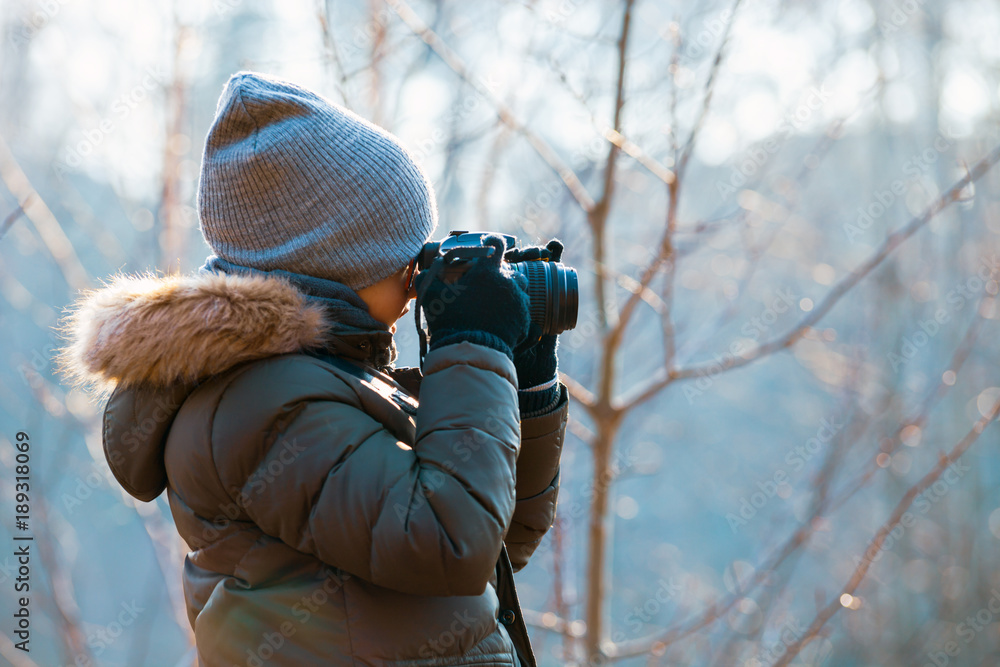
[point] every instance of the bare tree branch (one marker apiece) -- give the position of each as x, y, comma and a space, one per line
16, 657
706, 103
63, 599
667, 328
665, 253
823, 505
561, 605
488, 176
44, 221
635, 152
756, 251
378, 52
332, 52
922, 414
597, 216
452, 59
876, 543
577, 390
654, 385
173, 236
614, 135
717, 610
9, 221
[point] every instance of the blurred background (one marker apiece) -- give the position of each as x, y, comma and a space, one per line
785, 366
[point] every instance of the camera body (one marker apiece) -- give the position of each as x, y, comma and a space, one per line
553, 287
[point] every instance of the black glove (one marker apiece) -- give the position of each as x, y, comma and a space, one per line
488, 305
535, 359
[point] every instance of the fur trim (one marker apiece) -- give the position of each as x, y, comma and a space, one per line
162, 330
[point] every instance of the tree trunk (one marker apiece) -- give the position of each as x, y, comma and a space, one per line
603, 476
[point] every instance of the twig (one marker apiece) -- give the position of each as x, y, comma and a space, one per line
655, 384
713, 71
667, 328
138, 647
862, 569
42, 218
577, 390
9, 221
836, 453
756, 251
583, 434
332, 53
452, 59
921, 415
665, 253
378, 51
172, 239
166, 542
825, 505
635, 152
67, 611
562, 608
613, 135
489, 173
597, 216
166, 545
718, 609
16, 657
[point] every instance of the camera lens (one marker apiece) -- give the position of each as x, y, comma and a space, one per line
554, 292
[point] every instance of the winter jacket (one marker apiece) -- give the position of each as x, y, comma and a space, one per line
335, 514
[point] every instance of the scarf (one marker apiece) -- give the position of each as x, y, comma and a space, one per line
354, 333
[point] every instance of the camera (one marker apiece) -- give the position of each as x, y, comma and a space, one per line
553, 287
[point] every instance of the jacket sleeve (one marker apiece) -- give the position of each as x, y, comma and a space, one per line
537, 487
537, 481
311, 468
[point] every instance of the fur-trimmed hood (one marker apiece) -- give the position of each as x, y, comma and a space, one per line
160, 331
148, 341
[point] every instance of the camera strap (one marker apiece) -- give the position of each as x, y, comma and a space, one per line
422, 336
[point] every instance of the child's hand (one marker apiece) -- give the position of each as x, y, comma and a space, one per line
536, 363
488, 299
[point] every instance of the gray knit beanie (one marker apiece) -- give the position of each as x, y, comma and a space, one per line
292, 181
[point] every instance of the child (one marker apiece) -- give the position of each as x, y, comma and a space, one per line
332, 518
